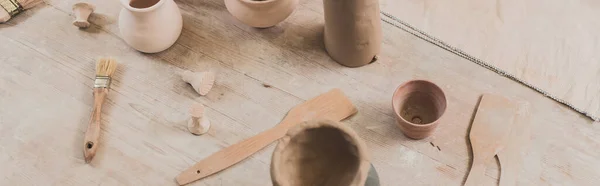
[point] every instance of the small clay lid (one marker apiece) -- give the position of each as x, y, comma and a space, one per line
320, 152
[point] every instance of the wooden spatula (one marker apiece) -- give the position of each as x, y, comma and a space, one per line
489, 131
333, 105
511, 157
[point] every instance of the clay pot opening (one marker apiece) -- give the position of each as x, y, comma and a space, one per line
319, 153
256, 1
419, 102
142, 5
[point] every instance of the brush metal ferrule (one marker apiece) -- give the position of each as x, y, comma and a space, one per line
102, 82
13, 7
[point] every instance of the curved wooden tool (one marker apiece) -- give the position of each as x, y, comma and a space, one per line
511, 157
333, 105
489, 132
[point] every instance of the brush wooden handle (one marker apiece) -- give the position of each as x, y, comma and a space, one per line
233, 154
90, 143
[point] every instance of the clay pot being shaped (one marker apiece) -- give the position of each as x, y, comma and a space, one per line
352, 31
322, 152
261, 13
150, 26
418, 106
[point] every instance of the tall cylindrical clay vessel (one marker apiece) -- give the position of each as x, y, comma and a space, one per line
150, 26
352, 31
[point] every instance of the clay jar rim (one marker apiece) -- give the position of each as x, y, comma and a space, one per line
396, 105
364, 157
126, 3
255, 2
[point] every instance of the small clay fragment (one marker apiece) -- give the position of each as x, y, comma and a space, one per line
201, 81
198, 123
82, 12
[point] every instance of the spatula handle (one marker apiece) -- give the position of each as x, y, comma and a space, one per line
231, 155
90, 143
477, 173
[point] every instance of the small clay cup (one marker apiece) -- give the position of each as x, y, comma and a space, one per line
322, 152
418, 104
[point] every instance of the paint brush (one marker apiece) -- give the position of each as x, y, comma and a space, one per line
104, 70
10, 8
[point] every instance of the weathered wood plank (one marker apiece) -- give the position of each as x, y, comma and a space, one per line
144, 138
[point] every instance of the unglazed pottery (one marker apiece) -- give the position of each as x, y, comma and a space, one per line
150, 26
352, 31
82, 12
321, 152
202, 82
418, 106
261, 14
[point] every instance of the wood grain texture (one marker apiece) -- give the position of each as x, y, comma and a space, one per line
550, 44
45, 102
332, 105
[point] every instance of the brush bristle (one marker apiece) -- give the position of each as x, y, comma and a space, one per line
106, 67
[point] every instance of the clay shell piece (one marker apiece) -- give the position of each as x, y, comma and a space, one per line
320, 152
418, 106
82, 12
262, 13
198, 123
202, 82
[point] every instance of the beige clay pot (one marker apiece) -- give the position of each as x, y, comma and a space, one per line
321, 152
418, 106
352, 31
261, 14
150, 26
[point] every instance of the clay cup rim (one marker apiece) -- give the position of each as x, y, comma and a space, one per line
395, 103
125, 4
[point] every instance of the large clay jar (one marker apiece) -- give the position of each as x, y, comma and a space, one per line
261, 13
150, 26
352, 31
322, 152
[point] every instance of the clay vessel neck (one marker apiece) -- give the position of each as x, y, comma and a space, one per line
140, 7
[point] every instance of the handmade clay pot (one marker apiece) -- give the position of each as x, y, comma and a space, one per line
352, 31
150, 26
322, 152
418, 104
261, 13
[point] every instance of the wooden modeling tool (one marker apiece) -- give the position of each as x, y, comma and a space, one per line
489, 133
511, 157
104, 70
333, 105
198, 123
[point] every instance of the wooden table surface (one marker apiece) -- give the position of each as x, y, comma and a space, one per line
47, 70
